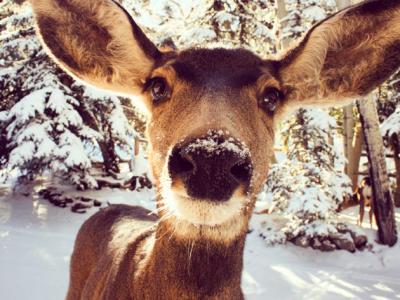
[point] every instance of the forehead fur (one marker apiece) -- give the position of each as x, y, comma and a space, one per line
219, 67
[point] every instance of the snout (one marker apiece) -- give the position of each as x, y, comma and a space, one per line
211, 167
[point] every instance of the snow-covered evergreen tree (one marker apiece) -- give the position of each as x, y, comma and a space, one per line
44, 132
225, 23
389, 114
48, 121
247, 24
389, 97
172, 21
308, 185
301, 15
389, 107
391, 126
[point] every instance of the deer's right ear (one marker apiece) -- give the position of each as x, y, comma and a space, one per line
96, 41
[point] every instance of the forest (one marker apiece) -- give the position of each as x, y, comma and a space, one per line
325, 223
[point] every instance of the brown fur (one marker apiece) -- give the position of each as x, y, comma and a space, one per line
119, 252
349, 200
115, 263
346, 56
95, 41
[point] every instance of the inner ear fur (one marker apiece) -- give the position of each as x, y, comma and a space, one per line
347, 55
96, 41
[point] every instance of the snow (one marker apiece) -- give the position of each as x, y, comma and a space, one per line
308, 274
392, 124
314, 13
228, 21
190, 36
312, 201
36, 240
72, 151
141, 165
28, 106
67, 115
94, 93
213, 143
120, 126
320, 118
22, 154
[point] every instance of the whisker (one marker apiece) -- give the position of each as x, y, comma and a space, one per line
158, 209
191, 247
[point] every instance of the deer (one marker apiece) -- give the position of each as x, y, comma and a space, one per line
364, 196
212, 114
361, 197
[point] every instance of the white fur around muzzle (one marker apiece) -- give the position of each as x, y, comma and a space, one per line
196, 211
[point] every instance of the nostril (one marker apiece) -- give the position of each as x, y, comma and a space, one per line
179, 163
242, 171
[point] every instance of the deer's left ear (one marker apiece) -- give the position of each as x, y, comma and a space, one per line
96, 41
347, 55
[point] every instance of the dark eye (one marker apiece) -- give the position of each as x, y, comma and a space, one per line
270, 99
159, 89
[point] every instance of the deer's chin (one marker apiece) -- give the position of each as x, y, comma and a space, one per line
191, 219
203, 212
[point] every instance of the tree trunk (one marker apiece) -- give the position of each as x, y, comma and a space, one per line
382, 197
348, 132
107, 147
357, 146
350, 151
281, 13
395, 141
351, 168
110, 157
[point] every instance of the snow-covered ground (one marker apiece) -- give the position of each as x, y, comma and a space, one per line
36, 240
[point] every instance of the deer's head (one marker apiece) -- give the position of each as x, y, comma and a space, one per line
212, 112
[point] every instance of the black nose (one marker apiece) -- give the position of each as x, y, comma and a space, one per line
211, 168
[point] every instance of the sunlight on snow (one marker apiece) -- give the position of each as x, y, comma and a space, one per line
381, 286
291, 277
40, 210
319, 286
250, 284
338, 281
45, 256
5, 212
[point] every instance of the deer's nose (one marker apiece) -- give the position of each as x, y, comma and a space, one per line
211, 168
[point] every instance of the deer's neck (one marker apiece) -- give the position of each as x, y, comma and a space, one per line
196, 269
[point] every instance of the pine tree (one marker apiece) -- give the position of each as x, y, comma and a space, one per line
389, 115
246, 24
44, 132
213, 22
309, 185
172, 23
48, 121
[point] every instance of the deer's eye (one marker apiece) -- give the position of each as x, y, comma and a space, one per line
159, 89
270, 99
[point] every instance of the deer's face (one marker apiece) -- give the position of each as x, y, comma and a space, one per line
211, 132
212, 112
